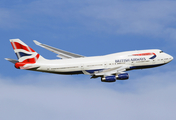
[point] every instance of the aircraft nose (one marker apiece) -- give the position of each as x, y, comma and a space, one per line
170, 58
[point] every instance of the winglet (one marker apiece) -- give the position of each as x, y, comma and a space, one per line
36, 42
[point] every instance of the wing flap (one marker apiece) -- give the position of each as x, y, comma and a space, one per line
61, 53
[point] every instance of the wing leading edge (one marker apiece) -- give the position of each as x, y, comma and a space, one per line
61, 53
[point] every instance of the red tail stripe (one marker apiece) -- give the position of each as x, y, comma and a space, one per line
144, 54
12, 45
31, 60
19, 64
27, 61
16, 45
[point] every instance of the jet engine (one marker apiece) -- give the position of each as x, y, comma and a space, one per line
123, 76
109, 78
113, 78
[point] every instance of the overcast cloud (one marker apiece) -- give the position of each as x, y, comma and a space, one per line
64, 97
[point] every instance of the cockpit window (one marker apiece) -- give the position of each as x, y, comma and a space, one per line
161, 51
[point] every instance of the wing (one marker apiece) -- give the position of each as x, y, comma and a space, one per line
61, 53
110, 71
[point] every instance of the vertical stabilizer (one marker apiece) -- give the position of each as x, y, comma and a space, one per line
24, 53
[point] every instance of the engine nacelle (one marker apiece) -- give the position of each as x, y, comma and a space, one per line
108, 79
123, 76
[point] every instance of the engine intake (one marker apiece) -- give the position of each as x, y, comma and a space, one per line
108, 79
123, 76
113, 78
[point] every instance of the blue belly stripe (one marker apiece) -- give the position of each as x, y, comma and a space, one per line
92, 71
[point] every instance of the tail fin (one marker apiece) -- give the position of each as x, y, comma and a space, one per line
24, 53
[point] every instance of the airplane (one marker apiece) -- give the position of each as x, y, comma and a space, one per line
109, 67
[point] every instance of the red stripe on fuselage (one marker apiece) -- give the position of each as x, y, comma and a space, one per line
16, 45
144, 54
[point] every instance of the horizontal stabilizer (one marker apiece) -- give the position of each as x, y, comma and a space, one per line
11, 60
61, 53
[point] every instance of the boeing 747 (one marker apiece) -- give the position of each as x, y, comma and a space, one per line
109, 67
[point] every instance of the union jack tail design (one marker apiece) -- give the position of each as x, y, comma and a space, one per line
24, 53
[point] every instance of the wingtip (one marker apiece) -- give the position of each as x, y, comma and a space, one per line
36, 42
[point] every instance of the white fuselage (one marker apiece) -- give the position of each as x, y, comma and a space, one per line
110, 67
132, 59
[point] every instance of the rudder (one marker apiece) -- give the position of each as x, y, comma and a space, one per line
24, 53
